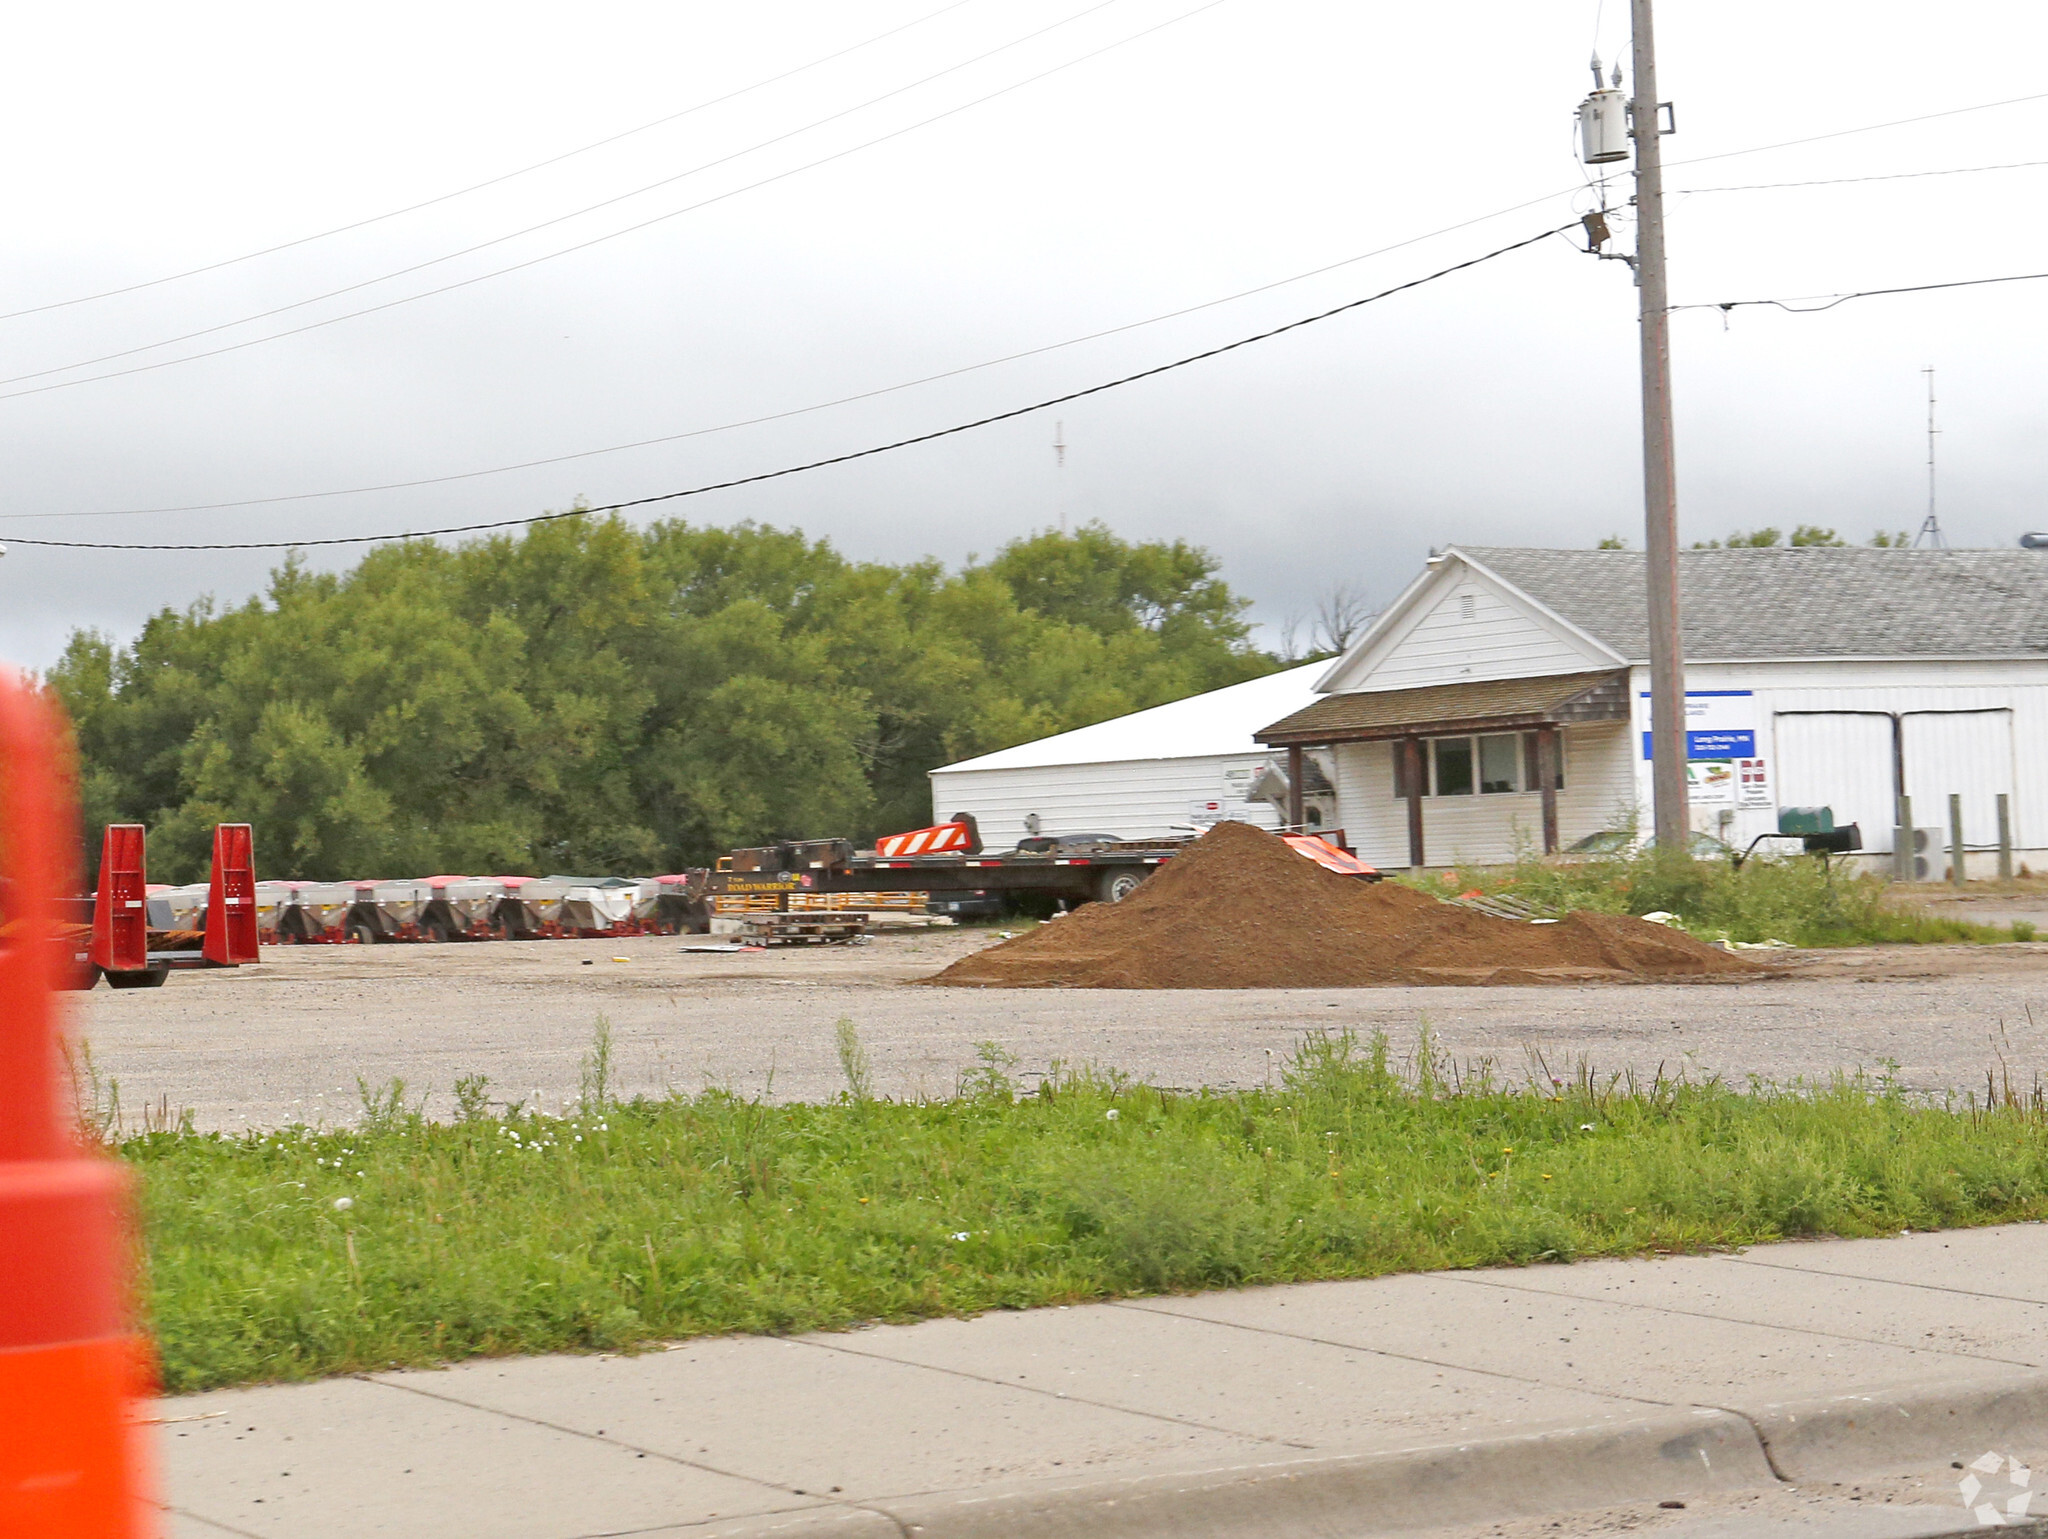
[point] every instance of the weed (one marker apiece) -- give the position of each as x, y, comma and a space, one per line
2023, 929
853, 1062
1796, 898
385, 1108
95, 1097
594, 1079
990, 1079
472, 1097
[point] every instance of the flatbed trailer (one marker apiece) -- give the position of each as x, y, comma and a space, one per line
1078, 871
1103, 872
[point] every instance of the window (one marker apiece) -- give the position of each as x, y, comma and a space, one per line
1498, 763
1490, 765
1453, 765
1399, 750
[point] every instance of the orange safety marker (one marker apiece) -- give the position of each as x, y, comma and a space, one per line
72, 1454
120, 908
943, 838
1327, 855
231, 898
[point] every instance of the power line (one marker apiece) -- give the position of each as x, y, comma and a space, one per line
836, 459
499, 240
1842, 133
812, 165
1797, 305
800, 411
1867, 128
866, 395
489, 182
1892, 176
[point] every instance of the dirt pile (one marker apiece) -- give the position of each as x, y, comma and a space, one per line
1240, 910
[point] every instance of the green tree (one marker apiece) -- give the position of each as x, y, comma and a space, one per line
589, 696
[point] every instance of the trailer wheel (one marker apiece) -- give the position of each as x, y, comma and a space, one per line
1115, 886
147, 978
361, 933
434, 931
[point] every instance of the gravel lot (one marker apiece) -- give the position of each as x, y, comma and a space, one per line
286, 1040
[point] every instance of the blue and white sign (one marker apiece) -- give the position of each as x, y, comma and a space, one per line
1719, 724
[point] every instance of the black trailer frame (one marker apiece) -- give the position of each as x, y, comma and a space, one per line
1105, 873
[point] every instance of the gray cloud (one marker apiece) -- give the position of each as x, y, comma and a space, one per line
1240, 146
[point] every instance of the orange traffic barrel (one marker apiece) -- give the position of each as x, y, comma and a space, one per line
72, 1370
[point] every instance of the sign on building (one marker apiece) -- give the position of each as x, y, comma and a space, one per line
1719, 724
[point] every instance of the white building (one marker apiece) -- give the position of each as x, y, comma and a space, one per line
1848, 678
1139, 776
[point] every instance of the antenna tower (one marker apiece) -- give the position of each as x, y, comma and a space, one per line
1059, 456
1930, 526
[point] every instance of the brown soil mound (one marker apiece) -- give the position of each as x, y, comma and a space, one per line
1240, 910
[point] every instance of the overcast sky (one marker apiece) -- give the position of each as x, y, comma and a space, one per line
1241, 143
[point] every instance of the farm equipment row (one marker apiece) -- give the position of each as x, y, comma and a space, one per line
450, 908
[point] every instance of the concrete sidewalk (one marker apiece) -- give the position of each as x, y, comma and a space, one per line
1398, 1404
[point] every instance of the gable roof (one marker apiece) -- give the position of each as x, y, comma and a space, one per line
1797, 602
1201, 726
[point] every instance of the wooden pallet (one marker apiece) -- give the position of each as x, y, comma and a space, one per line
1503, 906
818, 902
911, 902
840, 928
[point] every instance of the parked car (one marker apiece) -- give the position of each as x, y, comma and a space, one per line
1065, 844
1619, 841
967, 905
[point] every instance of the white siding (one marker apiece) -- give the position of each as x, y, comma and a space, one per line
1482, 830
1841, 762
1138, 799
1468, 628
1844, 762
1970, 756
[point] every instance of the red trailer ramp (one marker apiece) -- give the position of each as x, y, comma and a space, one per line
231, 898
120, 908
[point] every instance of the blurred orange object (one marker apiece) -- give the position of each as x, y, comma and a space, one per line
73, 1459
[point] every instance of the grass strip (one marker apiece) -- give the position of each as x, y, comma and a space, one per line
1797, 899
306, 1252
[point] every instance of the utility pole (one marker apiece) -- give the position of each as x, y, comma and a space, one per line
1660, 488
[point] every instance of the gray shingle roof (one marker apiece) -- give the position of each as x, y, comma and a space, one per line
1812, 601
1493, 702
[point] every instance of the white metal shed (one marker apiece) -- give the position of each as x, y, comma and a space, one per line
1138, 776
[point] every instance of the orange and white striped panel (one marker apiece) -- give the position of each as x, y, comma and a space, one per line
1327, 855
924, 841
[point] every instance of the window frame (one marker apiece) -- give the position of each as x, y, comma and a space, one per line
1527, 777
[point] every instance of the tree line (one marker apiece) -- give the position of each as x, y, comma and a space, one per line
590, 696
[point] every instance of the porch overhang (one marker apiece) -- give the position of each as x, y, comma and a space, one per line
1544, 706
1444, 710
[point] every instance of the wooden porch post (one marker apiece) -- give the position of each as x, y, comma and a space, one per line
1546, 771
1412, 748
1294, 808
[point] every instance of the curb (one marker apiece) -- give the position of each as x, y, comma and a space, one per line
1666, 1456
1905, 1427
